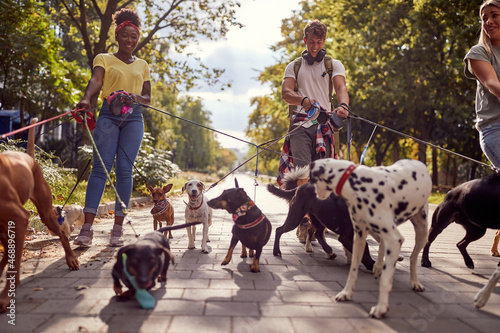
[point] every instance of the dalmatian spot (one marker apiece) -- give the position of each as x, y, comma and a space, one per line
366, 180
365, 200
370, 211
402, 205
363, 189
393, 190
414, 175
374, 206
381, 184
375, 190
388, 252
360, 206
374, 227
380, 198
384, 267
385, 230
402, 184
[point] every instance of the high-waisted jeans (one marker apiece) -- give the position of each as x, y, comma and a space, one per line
489, 139
120, 137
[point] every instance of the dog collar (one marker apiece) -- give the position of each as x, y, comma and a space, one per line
249, 225
243, 209
162, 206
194, 208
344, 177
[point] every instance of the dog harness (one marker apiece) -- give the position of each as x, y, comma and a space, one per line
344, 177
162, 206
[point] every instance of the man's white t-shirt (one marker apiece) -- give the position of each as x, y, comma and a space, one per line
313, 82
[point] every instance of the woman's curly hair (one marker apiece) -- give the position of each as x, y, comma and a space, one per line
127, 14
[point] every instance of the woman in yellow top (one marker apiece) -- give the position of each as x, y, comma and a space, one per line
119, 135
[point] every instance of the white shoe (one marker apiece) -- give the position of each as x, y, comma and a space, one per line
116, 239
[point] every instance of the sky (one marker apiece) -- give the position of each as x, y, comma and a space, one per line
243, 54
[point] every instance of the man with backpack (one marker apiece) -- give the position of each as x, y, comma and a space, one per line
308, 86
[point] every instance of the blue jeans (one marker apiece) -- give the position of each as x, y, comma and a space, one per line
489, 139
120, 137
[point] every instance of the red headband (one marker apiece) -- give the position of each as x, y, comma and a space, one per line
123, 24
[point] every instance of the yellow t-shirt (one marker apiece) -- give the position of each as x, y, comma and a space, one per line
121, 76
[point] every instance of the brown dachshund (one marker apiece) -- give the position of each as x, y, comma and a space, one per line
162, 210
21, 179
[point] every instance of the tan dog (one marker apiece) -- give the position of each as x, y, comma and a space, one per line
68, 217
197, 210
494, 247
162, 210
21, 179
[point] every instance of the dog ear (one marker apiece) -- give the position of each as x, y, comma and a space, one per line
150, 188
236, 182
202, 185
184, 187
167, 188
167, 252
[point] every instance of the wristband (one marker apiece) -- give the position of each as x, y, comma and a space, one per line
303, 99
344, 106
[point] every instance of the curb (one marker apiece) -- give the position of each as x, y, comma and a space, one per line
106, 207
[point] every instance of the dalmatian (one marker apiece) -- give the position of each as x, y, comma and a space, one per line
378, 200
197, 210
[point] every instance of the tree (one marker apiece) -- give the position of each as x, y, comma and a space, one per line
33, 76
404, 69
175, 24
194, 142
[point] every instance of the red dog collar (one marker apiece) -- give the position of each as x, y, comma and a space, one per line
344, 177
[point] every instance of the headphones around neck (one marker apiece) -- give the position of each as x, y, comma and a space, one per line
309, 58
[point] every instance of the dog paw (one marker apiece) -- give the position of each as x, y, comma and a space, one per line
343, 296
254, 269
191, 247
379, 311
495, 253
417, 286
480, 300
225, 262
377, 271
204, 251
426, 263
162, 278
277, 253
331, 255
243, 255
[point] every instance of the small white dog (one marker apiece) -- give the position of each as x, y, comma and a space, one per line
68, 217
197, 210
379, 199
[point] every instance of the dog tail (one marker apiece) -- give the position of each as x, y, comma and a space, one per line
175, 227
292, 177
30, 149
283, 194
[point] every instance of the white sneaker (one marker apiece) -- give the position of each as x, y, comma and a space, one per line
85, 237
116, 239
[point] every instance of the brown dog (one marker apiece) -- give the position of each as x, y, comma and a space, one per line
162, 210
494, 247
21, 179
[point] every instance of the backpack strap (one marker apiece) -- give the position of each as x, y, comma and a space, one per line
329, 69
296, 66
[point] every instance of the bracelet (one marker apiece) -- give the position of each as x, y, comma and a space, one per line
344, 106
303, 99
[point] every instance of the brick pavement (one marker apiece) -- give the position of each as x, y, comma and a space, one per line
294, 293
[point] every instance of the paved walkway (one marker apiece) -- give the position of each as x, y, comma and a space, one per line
291, 294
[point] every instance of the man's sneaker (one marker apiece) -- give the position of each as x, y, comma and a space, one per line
116, 239
85, 236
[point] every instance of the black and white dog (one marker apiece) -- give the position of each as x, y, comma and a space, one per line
475, 206
378, 199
